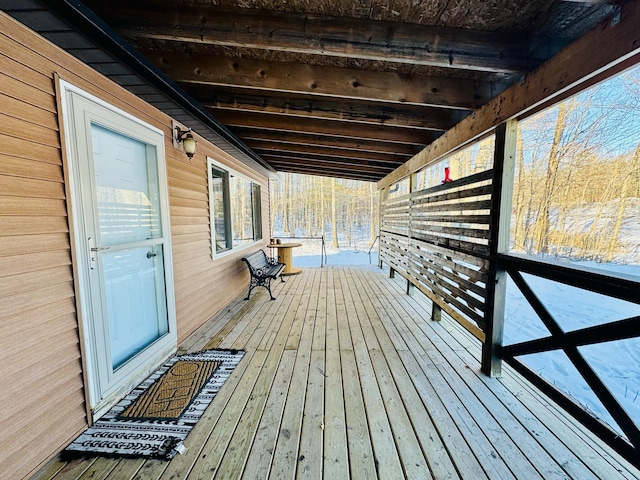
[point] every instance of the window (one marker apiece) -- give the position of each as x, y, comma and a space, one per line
220, 209
236, 213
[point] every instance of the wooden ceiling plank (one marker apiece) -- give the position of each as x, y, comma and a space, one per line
270, 146
322, 163
320, 168
301, 138
328, 172
429, 118
327, 127
344, 83
603, 48
331, 157
325, 35
293, 116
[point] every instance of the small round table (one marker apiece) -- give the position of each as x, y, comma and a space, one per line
285, 255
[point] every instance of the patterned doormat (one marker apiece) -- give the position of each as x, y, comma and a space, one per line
155, 418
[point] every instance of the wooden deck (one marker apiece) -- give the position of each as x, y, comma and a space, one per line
346, 377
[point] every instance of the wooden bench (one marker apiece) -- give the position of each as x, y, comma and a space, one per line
262, 271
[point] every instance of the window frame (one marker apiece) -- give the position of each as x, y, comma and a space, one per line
256, 208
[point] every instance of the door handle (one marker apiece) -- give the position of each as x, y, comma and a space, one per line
92, 248
151, 254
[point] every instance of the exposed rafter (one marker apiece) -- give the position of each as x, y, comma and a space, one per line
263, 147
309, 139
257, 76
401, 115
412, 136
342, 37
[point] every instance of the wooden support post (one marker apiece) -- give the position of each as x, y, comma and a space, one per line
410, 287
412, 186
501, 201
436, 312
384, 193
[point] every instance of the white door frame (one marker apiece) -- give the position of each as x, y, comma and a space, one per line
132, 372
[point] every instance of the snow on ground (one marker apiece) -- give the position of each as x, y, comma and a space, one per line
617, 363
336, 257
309, 254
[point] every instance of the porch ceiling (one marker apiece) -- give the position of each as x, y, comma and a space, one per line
343, 88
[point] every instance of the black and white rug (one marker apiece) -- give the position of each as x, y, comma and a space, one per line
119, 434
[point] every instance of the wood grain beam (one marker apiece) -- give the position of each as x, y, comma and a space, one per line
266, 147
348, 170
327, 127
349, 174
605, 47
430, 118
383, 165
249, 134
343, 163
346, 83
356, 38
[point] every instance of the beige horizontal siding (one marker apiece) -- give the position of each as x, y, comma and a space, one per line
42, 385
42, 397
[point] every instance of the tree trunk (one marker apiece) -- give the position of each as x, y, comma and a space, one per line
518, 228
543, 222
372, 214
323, 215
622, 204
334, 218
285, 203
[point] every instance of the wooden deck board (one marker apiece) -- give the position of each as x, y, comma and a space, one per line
345, 376
285, 457
358, 443
264, 444
386, 454
336, 461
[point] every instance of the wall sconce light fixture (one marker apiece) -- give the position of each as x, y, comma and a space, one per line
186, 138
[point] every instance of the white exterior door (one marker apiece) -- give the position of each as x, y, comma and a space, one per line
118, 183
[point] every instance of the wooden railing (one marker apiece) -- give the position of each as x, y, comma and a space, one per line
570, 342
438, 239
443, 240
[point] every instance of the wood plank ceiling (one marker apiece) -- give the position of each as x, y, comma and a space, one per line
340, 87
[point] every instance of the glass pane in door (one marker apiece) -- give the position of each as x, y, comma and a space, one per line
129, 242
126, 186
136, 309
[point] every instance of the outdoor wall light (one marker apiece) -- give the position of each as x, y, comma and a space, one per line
188, 142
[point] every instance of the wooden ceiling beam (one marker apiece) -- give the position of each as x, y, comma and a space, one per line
331, 157
249, 134
331, 128
345, 164
265, 146
284, 163
430, 118
355, 38
327, 172
346, 83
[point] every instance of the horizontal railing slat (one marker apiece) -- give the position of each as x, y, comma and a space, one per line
438, 238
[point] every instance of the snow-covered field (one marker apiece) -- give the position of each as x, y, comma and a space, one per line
310, 257
617, 363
